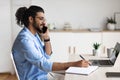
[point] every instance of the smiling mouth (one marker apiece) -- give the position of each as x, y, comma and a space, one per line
40, 27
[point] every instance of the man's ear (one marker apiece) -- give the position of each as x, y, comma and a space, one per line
30, 19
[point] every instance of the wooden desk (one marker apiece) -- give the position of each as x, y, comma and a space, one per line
99, 74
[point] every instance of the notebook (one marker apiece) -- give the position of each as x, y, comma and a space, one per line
81, 70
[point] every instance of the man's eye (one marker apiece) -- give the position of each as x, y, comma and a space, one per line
40, 18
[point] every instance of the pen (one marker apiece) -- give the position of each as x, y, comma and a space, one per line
84, 59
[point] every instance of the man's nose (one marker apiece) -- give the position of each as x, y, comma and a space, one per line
44, 22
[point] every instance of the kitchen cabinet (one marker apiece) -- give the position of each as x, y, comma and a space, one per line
66, 43
61, 43
84, 42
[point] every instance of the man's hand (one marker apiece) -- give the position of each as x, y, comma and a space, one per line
82, 63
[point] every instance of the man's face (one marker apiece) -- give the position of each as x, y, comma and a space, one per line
39, 20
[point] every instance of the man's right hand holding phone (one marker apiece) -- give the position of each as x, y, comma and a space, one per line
45, 32
46, 38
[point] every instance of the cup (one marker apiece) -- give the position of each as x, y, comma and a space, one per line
109, 52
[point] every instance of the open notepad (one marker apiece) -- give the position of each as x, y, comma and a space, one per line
81, 70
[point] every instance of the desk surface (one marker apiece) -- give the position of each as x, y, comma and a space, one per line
99, 74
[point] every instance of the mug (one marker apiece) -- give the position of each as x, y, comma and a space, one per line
109, 52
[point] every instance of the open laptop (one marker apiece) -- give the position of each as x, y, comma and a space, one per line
112, 59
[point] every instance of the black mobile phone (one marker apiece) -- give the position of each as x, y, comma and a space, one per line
44, 29
113, 74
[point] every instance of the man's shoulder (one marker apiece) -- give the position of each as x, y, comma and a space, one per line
24, 34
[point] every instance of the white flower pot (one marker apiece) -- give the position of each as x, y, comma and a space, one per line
111, 26
95, 52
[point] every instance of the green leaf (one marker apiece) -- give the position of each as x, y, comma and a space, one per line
96, 45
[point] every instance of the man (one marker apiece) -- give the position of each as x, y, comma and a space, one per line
31, 51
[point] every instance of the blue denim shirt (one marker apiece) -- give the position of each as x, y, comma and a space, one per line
31, 60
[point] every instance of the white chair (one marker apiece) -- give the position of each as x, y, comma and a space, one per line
14, 66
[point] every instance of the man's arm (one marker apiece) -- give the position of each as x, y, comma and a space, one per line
63, 66
46, 38
48, 47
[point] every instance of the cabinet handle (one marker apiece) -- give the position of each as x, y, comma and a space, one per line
69, 49
104, 49
74, 50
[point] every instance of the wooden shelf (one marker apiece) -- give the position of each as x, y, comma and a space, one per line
82, 30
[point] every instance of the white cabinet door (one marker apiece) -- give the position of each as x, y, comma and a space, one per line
60, 45
110, 39
84, 42
65, 43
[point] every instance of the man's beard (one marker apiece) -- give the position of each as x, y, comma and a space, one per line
37, 27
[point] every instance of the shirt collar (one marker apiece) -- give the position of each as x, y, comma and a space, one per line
28, 31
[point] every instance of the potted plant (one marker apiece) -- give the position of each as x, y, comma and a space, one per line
111, 23
96, 47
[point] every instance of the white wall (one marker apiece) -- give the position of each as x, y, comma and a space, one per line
5, 36
8, 31
80, 13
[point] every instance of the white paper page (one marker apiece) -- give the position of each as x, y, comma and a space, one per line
81, 70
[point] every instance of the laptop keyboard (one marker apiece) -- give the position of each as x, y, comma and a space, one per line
101, 62
104, 62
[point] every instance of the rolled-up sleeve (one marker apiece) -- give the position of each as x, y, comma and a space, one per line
34, 56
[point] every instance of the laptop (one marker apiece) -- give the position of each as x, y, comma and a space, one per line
110, 61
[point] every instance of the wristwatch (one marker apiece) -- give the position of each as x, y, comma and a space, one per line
46, 40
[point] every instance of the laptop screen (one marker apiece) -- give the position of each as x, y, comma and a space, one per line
115, 53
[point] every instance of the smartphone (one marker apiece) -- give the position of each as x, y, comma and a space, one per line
113, 74
44, 29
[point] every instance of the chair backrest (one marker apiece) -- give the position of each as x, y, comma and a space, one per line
14, 66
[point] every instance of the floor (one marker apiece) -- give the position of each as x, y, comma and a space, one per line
7, 76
